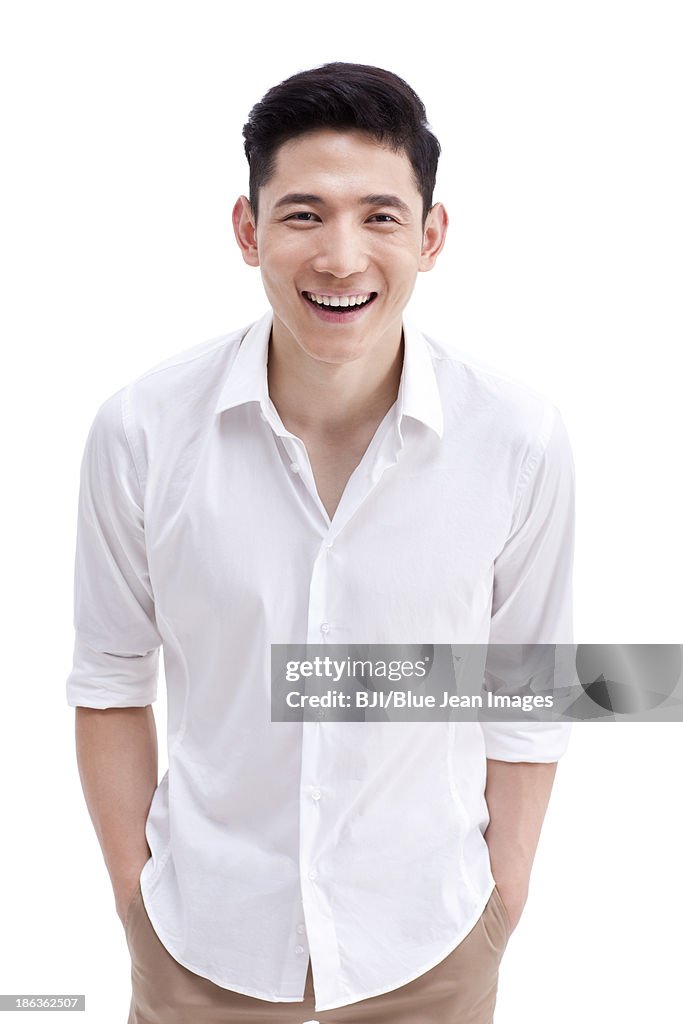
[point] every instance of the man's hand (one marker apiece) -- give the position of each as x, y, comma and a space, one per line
517, 794
514, 892
124, 894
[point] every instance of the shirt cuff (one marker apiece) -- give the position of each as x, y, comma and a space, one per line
542, 742
100, 679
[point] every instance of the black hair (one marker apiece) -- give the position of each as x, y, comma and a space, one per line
344, 97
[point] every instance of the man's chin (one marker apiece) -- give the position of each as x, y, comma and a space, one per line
337, 354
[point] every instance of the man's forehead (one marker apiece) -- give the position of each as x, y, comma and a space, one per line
330, 161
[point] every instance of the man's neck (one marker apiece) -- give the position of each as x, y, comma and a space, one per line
332, 401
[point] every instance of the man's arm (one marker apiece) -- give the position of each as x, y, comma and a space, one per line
531, 612
517, 794
113, 682
117, 755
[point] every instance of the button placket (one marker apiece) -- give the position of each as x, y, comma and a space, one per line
298, 464
317, 600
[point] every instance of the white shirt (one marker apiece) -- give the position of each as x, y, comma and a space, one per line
357, 844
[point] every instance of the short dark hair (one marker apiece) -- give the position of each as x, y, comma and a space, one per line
342, 96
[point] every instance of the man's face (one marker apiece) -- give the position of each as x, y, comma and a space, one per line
339, 242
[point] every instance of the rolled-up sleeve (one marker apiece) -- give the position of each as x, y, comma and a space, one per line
532, 591
116, 649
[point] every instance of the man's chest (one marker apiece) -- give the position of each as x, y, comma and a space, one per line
236, 537
332, 464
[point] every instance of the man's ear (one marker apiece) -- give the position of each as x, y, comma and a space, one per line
244, 226
433, 236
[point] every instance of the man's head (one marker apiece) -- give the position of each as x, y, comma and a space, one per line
340, 217
346, 97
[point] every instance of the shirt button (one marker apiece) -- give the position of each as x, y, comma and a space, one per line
324, 627
298, 950
313, 874
328, 544
301, 928
294, 466
316, 794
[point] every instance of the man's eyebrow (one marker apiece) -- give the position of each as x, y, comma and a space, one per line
303, 198
382, 199
376, 199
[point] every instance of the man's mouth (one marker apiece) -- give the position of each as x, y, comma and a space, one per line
340, 305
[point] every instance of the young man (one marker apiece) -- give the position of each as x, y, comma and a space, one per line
327, 475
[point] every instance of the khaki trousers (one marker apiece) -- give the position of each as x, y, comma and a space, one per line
461, 989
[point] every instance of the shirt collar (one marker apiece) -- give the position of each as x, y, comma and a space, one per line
247, 379
418, 395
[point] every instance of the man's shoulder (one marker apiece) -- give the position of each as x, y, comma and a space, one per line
165, 406
498, 401
179, 388
198, 366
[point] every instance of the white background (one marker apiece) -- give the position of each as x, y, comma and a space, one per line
562, 167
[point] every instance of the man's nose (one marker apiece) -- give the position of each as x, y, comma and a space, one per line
341, 251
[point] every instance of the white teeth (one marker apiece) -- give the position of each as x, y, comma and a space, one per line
339, 300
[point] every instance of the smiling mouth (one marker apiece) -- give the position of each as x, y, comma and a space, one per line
341, 304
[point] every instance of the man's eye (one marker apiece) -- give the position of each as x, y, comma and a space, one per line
384, 218
302, 215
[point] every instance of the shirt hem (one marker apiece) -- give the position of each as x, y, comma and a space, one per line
212, 977
334, 1004
321, 1007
